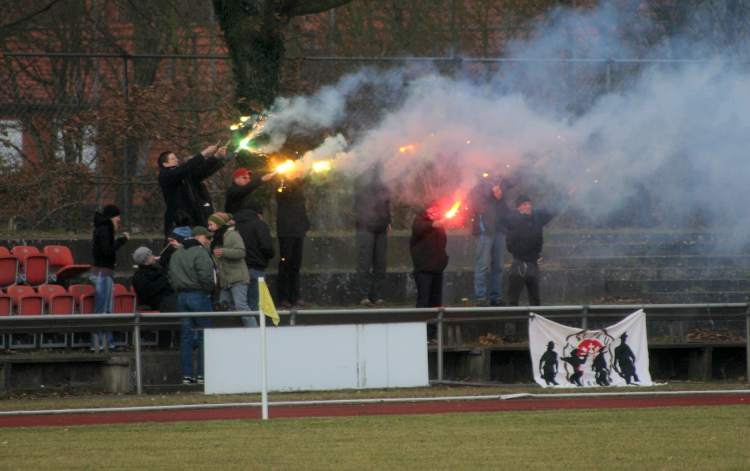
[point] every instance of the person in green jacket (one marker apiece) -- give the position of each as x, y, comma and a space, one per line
193, 277
228, 249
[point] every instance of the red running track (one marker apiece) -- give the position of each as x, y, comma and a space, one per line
338, 410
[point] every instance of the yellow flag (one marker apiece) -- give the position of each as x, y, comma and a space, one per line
266, 302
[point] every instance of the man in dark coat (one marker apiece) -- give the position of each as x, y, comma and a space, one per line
104, 248
489, 214
151, 283
258, 244
525, 241
244, 183
427, 247
292, 225
372, 213
186, 196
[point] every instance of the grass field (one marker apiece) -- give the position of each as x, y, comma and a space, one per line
684, 438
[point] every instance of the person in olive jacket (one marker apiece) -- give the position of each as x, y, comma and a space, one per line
427, 246
292, 225
104, 248
186, 196
228, 250
193, 277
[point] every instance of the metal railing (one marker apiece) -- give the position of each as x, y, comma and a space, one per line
437, 316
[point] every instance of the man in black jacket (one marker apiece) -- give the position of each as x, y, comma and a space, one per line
186, 196
104, 248
427, 246
238, 195
525, 241
151, 283
292, 225
372, 213
258, 244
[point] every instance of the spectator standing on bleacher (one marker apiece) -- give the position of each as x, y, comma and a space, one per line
151, 283
489, 213
228, 250
243, 185
292, 225
258, 246
427, 247
372, 216
193, 277
186, 196
104, 248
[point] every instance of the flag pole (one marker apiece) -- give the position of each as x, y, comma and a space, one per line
263, 359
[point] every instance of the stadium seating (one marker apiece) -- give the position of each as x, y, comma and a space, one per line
57, 299
8, 268
124, 301
26, 301
6, 304
84, 296
61, 263
34, 264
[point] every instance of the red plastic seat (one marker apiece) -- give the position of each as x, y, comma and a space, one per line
34, 263
85, 296
8, 268
57, 299
61, 263
124, 301
6, 305
27, 301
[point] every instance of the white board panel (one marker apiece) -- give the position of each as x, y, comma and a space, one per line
317, 357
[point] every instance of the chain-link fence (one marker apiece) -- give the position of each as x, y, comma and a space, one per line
82, 130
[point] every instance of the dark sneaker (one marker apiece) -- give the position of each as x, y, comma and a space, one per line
188, 380
199, 380
497, 302
299, 303
365, 302
481, 303
379, 302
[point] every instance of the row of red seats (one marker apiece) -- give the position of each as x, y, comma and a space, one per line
23, 300
53, 263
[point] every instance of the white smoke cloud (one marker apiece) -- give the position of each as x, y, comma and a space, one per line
672, 134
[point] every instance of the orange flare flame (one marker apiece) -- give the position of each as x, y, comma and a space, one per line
453, 211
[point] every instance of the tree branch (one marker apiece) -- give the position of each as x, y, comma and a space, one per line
30, 16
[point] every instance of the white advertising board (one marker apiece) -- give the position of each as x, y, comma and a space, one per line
322, 357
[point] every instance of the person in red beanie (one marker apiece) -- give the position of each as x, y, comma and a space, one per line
243, 184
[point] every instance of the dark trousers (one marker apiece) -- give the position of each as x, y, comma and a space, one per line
371, 259
523, 274
429, 289
290, 261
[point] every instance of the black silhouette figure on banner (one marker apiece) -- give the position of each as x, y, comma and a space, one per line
601, 372
576, 363
625, 361
548, 364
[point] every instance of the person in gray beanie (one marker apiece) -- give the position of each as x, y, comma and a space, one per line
151, 283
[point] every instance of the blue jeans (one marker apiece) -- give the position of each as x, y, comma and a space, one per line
191, 333
253, 297
103, 304
490, 254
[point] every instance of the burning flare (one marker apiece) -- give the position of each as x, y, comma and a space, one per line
453, 211
284, 167
321, 166
407, 148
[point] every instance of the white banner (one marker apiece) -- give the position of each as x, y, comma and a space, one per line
563, 356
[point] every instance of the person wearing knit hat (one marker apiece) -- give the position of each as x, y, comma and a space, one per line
228, 250
524, 241
151, 284
244, 183
104, 248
